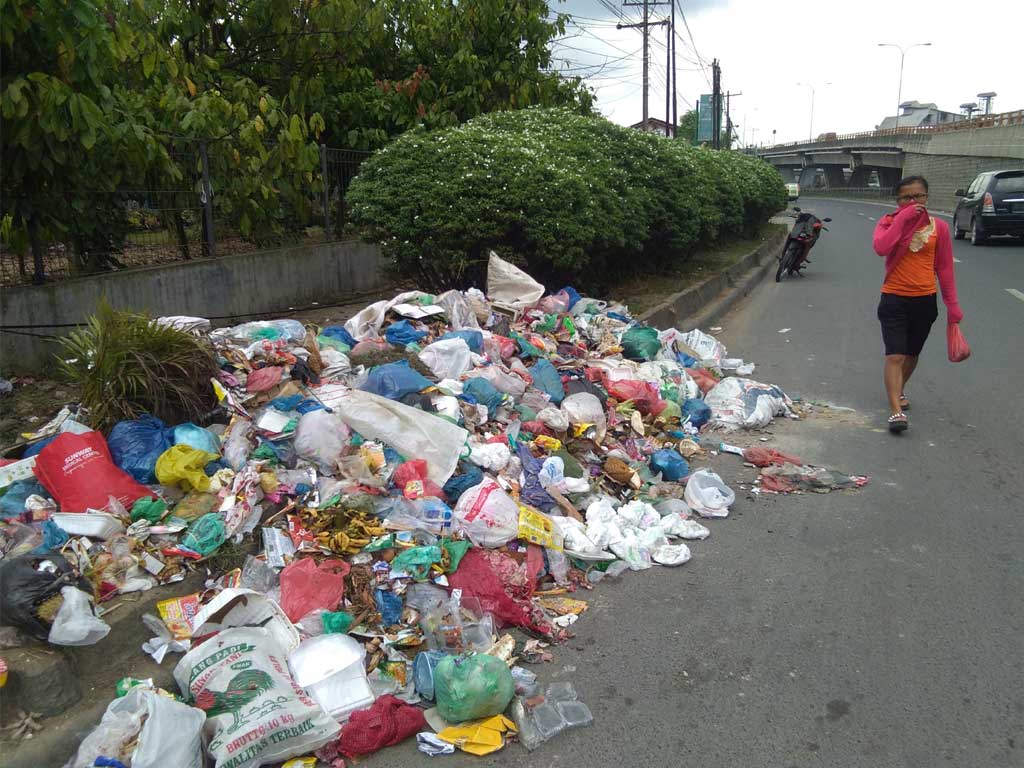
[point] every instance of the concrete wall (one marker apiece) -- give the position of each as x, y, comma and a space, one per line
947, 173
243, 285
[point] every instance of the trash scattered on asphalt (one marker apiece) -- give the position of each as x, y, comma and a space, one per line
402, 487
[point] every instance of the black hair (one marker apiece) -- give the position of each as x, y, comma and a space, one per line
908, 180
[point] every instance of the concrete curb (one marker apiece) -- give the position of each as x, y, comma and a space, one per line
703, 304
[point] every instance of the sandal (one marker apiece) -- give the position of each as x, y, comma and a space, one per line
904, 403
898, 423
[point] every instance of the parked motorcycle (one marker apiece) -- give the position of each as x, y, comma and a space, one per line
805, 233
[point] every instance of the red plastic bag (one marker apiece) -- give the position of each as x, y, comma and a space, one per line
503, 588
79, 472
704, 379
764, 457
956, 343
306, 586
387, 722
646, 396
410, 473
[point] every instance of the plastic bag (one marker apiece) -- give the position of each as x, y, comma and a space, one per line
395, 380
409, 431
206, 534
447, 358
493, 457
640, 343
744, 403
487, 515
644, 395
339, 333
503, 381
546, 379
197, 437
707, 495
12, 503
255, 713
26, 583
670, 464
264, 379
307, 586
145, 729
403, 332
956, 344
585, 408
709, 350
75, 622
412, 472
238, 443
507, 284
79, 473
483, 392
320, 437
696, 411
471, 687
554, 418
474, 339
136, 445
182, 466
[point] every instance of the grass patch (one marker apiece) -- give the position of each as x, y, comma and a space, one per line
643, 292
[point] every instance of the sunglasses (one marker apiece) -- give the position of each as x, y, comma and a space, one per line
915, 198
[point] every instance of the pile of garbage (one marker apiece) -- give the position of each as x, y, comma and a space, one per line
410, 483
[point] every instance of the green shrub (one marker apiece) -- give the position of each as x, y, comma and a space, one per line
568, 197
125, 365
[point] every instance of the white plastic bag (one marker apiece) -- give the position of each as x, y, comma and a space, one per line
493, 457
238, 445
554, 418
409, 431
257, 713
552, 473
320, 437
736, 402
502, 380
710, 350
508, 284
585, 408
630, 549
679, 527
168, 733
708, 495
487, 515
447, 358
75, 623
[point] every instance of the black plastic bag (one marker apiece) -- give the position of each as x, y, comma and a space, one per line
28, 581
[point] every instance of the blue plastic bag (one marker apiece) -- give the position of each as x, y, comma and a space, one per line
696, 411
484, 393
12, 503
338, 332
685, 360
474, 339
54, 537
459, 484
35, 448
573, 295
390, 606
136, 445
670, 464
197, 437
286, 403
533, 492
395, 380
403, 332
546, 378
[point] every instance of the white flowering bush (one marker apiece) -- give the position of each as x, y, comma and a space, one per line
571, 198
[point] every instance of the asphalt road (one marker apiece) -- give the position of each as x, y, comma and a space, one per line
878, 628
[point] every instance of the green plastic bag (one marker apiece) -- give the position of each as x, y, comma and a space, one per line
205, 535
640, 343
417, 561
336, 622
182, 465
456, 551
148, 509
470, 687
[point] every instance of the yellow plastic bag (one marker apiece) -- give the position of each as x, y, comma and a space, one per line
537, 528
182, 465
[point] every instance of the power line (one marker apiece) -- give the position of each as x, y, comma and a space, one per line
696, 53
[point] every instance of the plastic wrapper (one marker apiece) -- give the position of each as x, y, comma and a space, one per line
707, 494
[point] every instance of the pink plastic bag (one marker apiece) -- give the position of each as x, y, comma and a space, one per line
956, 344
306, 586
411, 479
645, 395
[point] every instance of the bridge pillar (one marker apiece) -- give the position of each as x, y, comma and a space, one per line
808, 176
887, 177
834, 178
861, 176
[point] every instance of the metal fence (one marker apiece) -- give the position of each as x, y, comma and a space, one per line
180, 213
858, 193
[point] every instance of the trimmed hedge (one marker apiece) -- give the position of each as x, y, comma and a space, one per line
568, 197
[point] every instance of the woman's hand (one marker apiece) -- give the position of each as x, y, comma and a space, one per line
920, 208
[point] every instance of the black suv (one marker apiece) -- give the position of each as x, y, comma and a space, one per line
992, 205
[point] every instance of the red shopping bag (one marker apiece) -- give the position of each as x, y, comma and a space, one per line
957, 344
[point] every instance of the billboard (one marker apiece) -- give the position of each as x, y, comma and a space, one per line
705, 119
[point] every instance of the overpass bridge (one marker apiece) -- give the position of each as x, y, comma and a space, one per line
948, 155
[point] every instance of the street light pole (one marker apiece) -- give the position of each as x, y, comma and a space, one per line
899, 91
810, 130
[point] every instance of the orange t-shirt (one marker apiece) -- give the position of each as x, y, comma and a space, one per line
914, 273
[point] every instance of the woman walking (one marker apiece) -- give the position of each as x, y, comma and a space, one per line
917, 248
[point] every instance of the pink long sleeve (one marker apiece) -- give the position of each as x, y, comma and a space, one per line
893, 233
944, 270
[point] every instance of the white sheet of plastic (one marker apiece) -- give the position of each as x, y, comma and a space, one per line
709, 349
447, 358
508, 284
410, 431
367, 323
736, 403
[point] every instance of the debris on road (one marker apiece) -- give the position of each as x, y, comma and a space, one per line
432, 471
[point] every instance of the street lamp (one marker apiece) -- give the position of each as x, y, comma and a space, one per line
903, 54
810, 132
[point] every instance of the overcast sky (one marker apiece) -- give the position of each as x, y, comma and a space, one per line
767, 46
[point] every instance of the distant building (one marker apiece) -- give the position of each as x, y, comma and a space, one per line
654, 125
914, 114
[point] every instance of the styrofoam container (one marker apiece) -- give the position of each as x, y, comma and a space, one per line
95, 525
330, 668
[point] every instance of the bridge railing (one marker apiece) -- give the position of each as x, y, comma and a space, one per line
998, 120
858, 193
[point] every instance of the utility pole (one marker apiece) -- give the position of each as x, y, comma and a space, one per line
728, 119
716, 104
669, 126
645, 27
899, 90
672, 37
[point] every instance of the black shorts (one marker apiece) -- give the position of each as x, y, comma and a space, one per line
906, 321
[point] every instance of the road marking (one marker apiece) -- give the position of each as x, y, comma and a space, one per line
860, 214
1015, 292
956, 260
